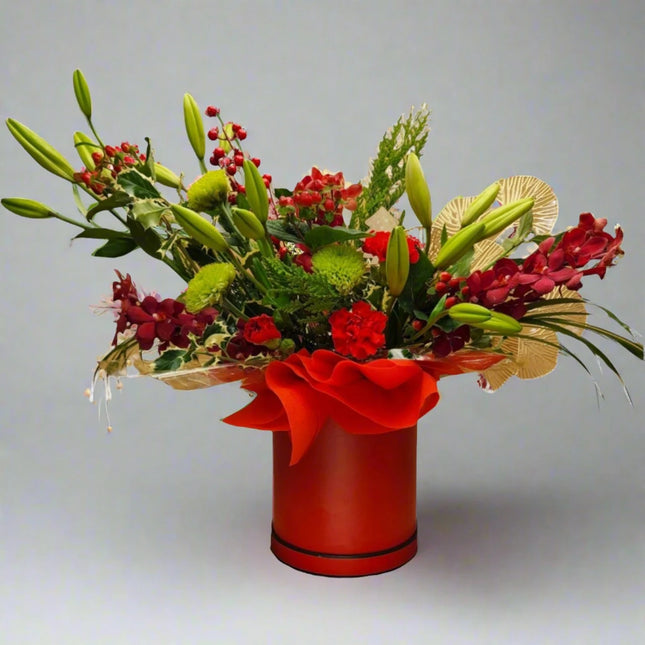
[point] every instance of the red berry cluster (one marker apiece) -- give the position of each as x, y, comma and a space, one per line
452, 286
321, 197
108, 163
228, 154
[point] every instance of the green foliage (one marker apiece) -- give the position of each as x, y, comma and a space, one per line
116, 247
386, 181
293, 290
323, 235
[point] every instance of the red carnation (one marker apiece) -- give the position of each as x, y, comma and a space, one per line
377, 245
261, 330
359, 332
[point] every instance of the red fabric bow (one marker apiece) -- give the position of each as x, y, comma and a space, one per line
301, 393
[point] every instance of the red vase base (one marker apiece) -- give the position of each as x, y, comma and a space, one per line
346, 565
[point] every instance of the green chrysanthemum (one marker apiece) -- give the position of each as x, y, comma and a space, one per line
342, 266
209, 190
208, 286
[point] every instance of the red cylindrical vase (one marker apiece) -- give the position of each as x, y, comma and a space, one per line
348, 507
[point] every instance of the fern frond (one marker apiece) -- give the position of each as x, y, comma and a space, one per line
386, 180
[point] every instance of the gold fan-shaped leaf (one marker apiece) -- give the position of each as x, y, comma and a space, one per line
545, 209
573, 311
450, 217
487, 253
535, 358
528, 359
497, 375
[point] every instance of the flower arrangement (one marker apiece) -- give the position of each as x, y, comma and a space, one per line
321, 297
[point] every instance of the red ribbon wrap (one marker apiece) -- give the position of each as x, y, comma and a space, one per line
301, 393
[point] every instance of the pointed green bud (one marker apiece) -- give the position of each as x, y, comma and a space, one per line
199, 229
82, 92
248, 224
209, 191
166, 177
418, 192
27, 208
477, 316
469, 313
501, 323
208, 286
40, 151
256, 191
194, 126
500, 218
481, 203
397, 261
85, 147
458, 244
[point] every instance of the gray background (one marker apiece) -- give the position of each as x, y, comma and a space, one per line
531, 509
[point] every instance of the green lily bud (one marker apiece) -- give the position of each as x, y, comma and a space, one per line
166, 177
481, 203
27, 208
256, 191
248, 224
502, 217
458, 244
194, 126
418, 192
482, 318
501, 323
40, 151
199, 229
397, 261
85, 147
82, 92
469, 313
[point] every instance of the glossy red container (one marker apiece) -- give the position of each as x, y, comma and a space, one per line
348, 507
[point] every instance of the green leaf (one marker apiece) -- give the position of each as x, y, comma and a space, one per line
594, 349
444, 235
137, 185
146, 238
462, 266
170, 360
77, 200
115, 248
323, 235
523, 230
276, 229
115, 200
148, 212
149, 165
102, 234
